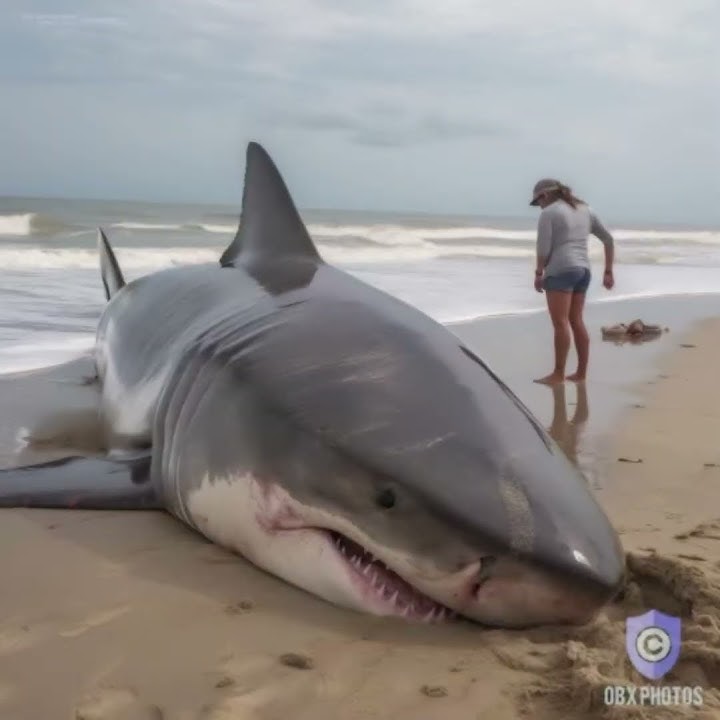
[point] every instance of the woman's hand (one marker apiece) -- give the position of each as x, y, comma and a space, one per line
608, 280
538, 282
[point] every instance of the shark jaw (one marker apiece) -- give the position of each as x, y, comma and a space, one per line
383, 588
312, 549
330, 557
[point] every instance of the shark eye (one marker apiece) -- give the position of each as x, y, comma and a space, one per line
386, 499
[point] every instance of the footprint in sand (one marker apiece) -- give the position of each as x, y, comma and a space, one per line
240, 608
17, 635
116, 704
263, 689
14, 640
705, 531
94, 621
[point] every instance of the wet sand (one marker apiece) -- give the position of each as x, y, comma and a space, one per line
109, 615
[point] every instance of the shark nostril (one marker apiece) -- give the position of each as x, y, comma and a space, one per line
386, 499
484, 573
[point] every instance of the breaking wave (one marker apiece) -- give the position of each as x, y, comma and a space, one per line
39, 224
37, 240
21, 257
33, 258
26, 224
177, 227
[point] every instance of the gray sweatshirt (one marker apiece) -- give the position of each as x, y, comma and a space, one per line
563, 236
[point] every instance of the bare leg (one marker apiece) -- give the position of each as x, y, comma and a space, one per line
559, 308
580, 336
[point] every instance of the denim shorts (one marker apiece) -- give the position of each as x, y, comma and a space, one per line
575, 280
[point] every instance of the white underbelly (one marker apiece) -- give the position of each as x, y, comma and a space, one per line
234, 512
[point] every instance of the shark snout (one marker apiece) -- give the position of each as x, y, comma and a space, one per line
506, 591
509, 592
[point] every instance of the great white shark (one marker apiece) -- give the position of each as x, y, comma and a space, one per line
330, 434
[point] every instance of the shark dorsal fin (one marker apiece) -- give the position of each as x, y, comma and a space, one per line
271, 229
110, 272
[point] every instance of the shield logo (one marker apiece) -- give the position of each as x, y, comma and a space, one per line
652, 642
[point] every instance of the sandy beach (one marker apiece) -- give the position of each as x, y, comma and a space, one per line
130, 616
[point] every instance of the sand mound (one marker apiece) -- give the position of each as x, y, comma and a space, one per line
572, 674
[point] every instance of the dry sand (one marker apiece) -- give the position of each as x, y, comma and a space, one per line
120, 615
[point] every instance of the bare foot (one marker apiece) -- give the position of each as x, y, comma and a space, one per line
552, 379
576, 377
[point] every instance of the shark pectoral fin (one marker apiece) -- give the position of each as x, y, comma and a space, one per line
85, 483
74, 430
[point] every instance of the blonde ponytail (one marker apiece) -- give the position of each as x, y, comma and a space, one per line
565, 194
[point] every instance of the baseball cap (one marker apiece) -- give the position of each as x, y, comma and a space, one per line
542, 186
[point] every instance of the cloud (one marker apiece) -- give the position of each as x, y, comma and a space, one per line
70, 20
609, 36
386, 126
595, 91
663, 44
612, 37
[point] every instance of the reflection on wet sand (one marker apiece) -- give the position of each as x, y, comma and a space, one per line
630, 339
567, 433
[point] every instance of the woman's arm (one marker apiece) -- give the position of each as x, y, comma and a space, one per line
600, 231
544, 242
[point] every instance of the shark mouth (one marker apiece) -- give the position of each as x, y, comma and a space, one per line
385, 589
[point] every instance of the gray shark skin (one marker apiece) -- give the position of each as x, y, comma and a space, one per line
332, 435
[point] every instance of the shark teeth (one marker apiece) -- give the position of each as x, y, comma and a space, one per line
385, 585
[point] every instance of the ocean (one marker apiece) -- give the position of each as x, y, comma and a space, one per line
453, 268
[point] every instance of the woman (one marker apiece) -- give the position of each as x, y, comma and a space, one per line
563, 269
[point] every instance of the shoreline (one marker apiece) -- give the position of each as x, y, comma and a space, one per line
129, 612
625, 299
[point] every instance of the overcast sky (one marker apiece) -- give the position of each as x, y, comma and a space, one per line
438, 106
